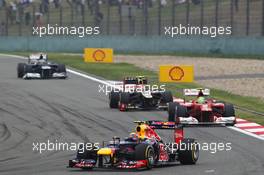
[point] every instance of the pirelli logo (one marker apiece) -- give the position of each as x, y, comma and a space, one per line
176, 73
98, 55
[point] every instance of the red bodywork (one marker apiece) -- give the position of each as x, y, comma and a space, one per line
206, 112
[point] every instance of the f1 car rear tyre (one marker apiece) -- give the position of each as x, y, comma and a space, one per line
20, 70
113, 99
176, 110
61, 68
172, 111
188, 151
124, 98
229, 110
145, 152
167, 97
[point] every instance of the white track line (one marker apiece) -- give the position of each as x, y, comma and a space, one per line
109, 84
255, 130
246, 132
240, 125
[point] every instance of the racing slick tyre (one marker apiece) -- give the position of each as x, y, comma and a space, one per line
84, 153
61, 68
145, 152
188, 151
166, 97
113, 99
176, 110
229, 111
20, 70
28, 69
124, 101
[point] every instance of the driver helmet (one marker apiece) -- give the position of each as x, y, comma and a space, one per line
201, 100
133, 136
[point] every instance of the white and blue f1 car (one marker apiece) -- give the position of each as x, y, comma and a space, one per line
38, 67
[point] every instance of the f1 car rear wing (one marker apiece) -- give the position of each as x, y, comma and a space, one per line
196, 92
154, 124
135, 80
36, 56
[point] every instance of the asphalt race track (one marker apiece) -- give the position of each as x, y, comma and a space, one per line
72, 110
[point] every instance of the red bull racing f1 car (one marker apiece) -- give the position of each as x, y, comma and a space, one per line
143, 149
202, 110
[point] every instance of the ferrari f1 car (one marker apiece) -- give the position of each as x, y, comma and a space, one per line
38, 67
143, 149
135, 92
202, 110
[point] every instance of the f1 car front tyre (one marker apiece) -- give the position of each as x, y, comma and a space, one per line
84, 153
145, 152
229, 110
188, 151
61, 68
176, 110
113, 99
20, 70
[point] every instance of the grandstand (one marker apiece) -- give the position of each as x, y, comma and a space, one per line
135, 17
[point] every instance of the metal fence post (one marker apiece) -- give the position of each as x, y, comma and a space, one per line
48, 15
262, 30
159, 18
216, 12
83, 14
202, 14
60, 15
120, 18
108, 18
19, 11
72, 14
248, 19
7, 22
187, 12
145, 12
173, 13
96, 11
232, 15
34, 16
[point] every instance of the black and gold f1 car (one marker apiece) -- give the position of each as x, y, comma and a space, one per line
136, 93
143, 149
38, 67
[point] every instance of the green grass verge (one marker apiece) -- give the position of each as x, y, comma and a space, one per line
118, 70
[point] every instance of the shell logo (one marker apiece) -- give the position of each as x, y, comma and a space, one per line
99, 55
176, 73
